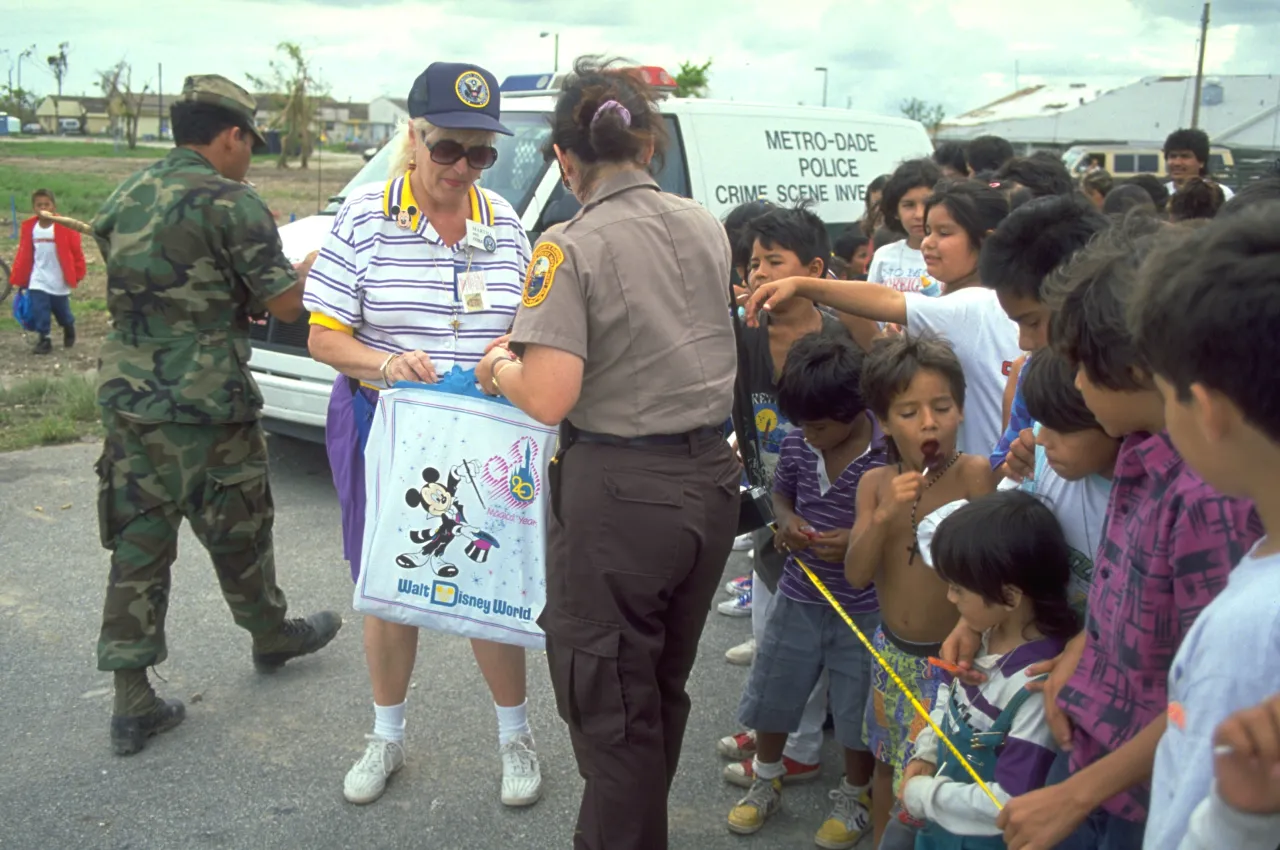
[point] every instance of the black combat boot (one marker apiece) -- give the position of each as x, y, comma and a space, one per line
293, 639
139, 713
68, 336
44, 346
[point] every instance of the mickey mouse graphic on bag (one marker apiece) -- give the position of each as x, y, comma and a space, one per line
446, 521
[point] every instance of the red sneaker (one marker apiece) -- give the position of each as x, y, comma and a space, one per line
742, 773
739, 746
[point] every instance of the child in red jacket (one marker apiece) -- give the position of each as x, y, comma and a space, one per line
49, 264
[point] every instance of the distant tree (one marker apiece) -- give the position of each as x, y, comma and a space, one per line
19, 102
58, 67
123, 104
928, 114
693, 80
294, 95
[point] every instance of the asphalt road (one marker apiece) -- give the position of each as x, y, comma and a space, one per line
260, 759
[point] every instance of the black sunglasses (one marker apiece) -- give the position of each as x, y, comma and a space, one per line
447, 152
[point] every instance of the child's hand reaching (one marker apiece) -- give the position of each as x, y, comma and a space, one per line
1248, 769
831, 545
960, 648
916, 767
790, 536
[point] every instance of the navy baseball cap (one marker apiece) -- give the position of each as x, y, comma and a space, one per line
457, 97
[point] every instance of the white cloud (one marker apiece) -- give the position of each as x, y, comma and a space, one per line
960, 52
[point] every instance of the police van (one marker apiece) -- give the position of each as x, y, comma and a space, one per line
720, 154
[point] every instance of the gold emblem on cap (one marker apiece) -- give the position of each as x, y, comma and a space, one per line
472, 90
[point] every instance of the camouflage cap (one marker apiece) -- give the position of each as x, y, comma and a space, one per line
217, 90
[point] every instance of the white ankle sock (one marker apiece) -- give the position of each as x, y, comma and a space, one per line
388, 722
851, 789
768, 771
513, 721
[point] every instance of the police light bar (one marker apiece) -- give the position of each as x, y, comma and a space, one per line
656, 78
524, 85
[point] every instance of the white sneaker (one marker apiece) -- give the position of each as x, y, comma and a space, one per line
743, 542
738, 586
740, 607
367, 780
743, 654
521, 776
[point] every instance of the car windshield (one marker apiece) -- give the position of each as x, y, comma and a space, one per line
519, 168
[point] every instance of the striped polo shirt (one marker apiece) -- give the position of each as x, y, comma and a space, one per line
827, 505
385, 276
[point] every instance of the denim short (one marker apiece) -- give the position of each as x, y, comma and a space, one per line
800, 640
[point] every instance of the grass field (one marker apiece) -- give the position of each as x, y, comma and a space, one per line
46, 410
52, 149
79, 194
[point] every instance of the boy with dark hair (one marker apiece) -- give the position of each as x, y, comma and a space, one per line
1186, 155
822, 462
950, 158
1158, 192
1074, 462
854, 248
1168, 544
783, 242
988, 153
1027, 246
49, 264
1205, 322
916, 389
1040, 175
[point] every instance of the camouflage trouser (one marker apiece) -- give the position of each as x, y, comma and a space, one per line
150, 476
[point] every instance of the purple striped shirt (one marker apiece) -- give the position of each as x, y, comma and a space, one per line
801, 476
1168, 544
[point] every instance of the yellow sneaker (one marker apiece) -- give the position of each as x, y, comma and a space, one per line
764, 798
849, 819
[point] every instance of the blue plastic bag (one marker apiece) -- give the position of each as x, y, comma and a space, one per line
22, 310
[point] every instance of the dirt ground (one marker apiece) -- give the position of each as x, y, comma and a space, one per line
286, 192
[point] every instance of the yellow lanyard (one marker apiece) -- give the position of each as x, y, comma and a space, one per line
915, 703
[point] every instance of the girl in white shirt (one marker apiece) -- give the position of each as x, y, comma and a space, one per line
900, 265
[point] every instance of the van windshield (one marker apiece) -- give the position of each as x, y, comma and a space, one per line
519, 168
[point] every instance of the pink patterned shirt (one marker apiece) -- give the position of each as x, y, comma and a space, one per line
1168, 544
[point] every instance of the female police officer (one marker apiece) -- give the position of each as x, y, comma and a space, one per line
625, 342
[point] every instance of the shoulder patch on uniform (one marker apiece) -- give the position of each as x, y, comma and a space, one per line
547, 257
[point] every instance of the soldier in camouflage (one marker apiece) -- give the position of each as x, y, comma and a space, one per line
192, 253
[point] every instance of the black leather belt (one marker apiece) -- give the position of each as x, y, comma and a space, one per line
687, 438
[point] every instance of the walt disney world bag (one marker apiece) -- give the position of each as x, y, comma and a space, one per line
456, 513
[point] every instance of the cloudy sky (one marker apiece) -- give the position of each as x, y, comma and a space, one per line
959, 52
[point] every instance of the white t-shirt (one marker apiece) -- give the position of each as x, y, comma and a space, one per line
1081, 509
1227, 194
46, 271
901, 267
986, 342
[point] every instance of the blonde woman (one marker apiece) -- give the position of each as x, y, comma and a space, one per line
414, 278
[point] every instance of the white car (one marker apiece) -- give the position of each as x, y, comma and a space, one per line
721, 154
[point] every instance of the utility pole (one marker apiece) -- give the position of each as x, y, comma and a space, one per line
26, 54
556, 67
160, 122
1204, 33
824, 83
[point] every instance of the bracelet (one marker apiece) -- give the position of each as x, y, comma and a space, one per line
382, 370
496, 371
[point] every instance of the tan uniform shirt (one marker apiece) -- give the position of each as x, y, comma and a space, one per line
634, 285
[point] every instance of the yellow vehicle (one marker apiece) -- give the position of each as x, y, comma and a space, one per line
1127, 160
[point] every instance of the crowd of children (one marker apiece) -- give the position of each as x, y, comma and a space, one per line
1028, 456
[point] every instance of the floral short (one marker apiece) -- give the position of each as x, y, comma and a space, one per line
891, 723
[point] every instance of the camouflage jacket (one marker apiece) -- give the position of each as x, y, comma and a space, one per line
190, 256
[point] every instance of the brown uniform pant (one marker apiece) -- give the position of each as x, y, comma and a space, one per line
633, 563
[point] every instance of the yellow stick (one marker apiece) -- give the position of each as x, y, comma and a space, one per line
915, 703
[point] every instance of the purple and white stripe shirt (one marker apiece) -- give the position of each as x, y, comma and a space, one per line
1022, 763
826, 505
398, 288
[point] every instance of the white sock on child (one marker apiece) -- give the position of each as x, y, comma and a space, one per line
513, 721
852, 790
388, 722
764, 770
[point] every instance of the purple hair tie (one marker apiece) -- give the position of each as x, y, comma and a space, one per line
612, 106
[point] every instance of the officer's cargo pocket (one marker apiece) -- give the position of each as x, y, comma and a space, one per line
641, 522
107, 524
584, 669
237, 505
